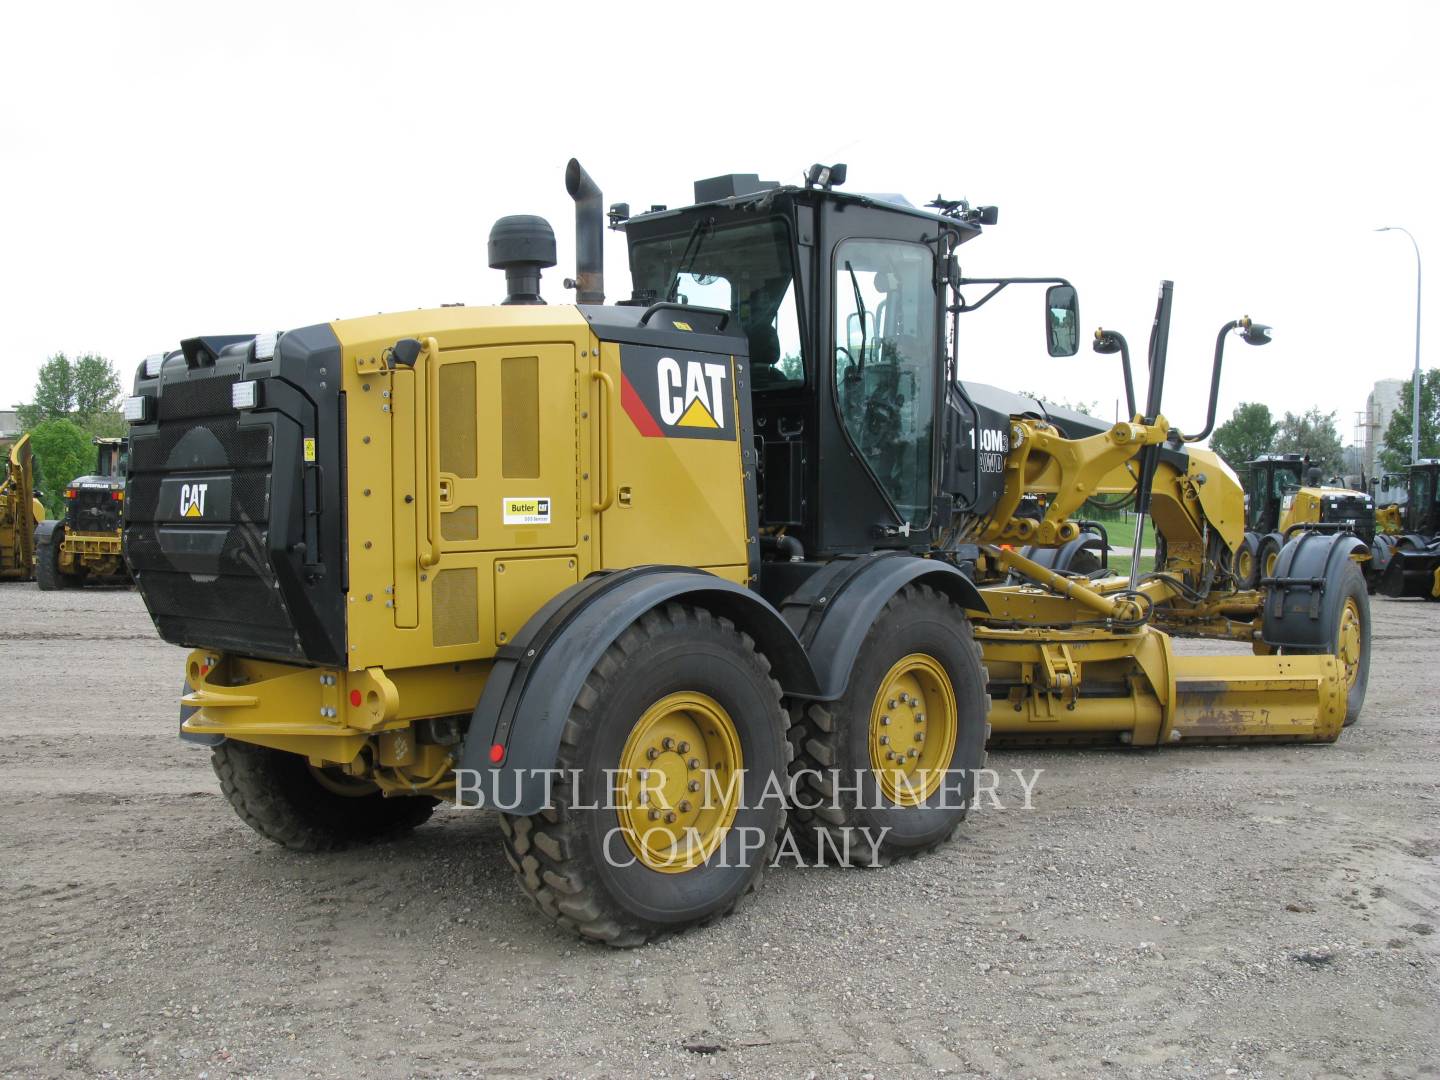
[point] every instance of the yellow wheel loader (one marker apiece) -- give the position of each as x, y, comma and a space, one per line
84, 546
1407, 553
672, 582
20, 509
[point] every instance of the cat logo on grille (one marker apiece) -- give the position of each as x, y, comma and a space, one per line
192, 500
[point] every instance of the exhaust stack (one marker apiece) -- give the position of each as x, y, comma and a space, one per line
589, 235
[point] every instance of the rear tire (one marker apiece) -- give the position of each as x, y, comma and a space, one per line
594, 861
840, 740
277, 794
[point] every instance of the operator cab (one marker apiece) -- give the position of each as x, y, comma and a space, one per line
842, 301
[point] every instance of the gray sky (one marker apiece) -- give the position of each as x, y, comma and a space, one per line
171, 170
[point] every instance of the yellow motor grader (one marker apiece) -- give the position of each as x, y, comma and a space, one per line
658, 580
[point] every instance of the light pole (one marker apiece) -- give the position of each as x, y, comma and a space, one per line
1415, 386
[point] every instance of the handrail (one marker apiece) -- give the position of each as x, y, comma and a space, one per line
607, 441
430, 555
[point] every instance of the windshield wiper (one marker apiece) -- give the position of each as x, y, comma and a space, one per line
860, 306
687, 257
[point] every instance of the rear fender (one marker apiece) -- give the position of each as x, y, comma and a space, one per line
833, 611
536, 678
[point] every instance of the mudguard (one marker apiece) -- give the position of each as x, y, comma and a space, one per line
538, 675
832, 612
46, 530
1298, 600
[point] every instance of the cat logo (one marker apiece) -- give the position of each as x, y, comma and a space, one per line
676, 394
192, 500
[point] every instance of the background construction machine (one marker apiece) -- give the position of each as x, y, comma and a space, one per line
20, 509
1407, 554
85, 545
1285, 494
647, 577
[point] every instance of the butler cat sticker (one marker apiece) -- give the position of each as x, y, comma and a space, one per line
674, 394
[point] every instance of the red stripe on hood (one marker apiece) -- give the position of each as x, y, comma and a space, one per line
639, 415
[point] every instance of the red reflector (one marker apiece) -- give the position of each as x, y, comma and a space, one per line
355, 698
118, 496
204, 669
497, 753
69, 493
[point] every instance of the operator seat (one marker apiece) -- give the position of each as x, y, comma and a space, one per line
764, 355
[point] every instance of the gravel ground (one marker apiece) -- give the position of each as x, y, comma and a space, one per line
1259, 911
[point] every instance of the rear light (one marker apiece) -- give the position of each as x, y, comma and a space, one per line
136, 409
69, 493
118, 496
245, 395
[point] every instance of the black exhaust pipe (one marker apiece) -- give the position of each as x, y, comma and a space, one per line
589, 235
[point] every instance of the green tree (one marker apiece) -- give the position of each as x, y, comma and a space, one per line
1395, 444
1313, 434
1248, 433
83, 390
63, 451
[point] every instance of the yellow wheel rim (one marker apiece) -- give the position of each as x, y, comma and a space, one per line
1244, 563
1347, 644
678, 786
1271, 558
912, 729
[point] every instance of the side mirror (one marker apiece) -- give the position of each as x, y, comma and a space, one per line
1062, 320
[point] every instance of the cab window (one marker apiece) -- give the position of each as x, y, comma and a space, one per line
885, 340
744, 269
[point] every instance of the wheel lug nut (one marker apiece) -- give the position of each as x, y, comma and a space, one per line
919, 736
892, 703
919, 718
884, 720
684, 806
694, 763
905, 697
652, 753
694, 785
889, 755
884, 740
668, 743
670, 818
654, 815
914, 752
684, 747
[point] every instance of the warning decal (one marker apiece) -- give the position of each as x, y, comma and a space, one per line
534, 511
676, 394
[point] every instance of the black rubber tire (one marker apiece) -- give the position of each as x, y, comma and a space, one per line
47, 570
1348, 584
568, 856
1249, 546
1269, 547
276, 794
835, 736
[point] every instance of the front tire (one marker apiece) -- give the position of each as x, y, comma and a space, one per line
283, 799
671, 796
1247, 562
903, 742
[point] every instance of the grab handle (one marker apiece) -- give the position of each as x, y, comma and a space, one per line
607, 442
430, 552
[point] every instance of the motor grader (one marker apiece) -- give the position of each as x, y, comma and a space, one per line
84, 545
648, 577
20, 509
1407, 554
1286, 494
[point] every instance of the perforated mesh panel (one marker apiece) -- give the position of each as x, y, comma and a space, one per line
462, 523
458, 448
455, 607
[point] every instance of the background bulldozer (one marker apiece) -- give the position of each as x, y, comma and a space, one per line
20, 509
671, 582
85, 545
